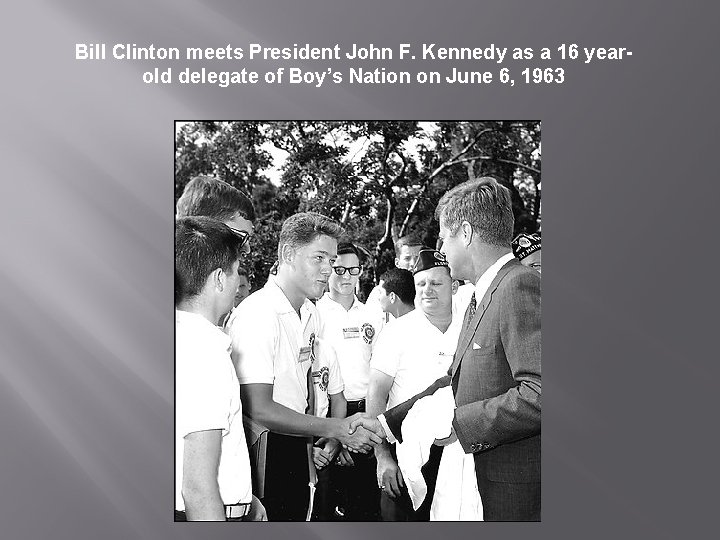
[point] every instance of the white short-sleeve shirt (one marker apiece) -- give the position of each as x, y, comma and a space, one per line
373, 303
208, 397
272, 345
353, 333
414, 353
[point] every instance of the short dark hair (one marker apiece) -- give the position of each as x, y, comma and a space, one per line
202, 245
407, 240
303, 228
484, 204
401, 282
212, 197
345, 248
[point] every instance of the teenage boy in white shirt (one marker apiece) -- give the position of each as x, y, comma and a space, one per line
273, 335
352, 328
213, 478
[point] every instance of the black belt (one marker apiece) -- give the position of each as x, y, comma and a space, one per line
356, 406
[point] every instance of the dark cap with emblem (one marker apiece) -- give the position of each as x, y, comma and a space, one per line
429, 258
525, 244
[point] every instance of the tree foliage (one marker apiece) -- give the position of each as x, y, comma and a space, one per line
381, 180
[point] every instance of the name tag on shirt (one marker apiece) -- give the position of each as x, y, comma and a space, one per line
304, 355
351, 333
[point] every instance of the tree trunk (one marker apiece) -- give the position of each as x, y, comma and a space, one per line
446, 164
387, 241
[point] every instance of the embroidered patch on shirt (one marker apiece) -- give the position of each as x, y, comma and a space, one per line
322, 378
368, 332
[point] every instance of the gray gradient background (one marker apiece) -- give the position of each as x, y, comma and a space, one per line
86, 336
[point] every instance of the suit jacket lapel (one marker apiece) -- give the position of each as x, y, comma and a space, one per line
469, 330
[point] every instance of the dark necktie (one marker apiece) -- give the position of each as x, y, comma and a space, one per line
469, 314
472, 307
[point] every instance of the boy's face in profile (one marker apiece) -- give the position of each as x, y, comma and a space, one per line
243, 290
408, 257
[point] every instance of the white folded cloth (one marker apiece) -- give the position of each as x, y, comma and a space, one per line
456, 493
429, 419
456, 496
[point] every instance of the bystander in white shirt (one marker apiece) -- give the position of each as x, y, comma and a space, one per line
353, 333
208, 398
415, 353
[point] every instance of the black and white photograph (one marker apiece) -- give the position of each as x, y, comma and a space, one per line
344, 201
358, 321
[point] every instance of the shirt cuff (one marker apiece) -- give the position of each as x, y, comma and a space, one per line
388, 434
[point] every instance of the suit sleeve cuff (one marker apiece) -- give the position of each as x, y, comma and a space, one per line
388, 434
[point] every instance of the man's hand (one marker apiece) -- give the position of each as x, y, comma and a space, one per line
345, 459
257, 511
358, 439
324, 451
389, 477
370, 423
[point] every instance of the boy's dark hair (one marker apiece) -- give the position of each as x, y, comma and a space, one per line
202, 245
401, 282
407, 240
347, 247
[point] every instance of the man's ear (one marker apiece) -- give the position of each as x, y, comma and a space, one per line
397, 262
392, 297
218, 278
455, 286
467, 233
287, 253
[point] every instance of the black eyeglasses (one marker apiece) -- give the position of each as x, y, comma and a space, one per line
243, 235
352, 270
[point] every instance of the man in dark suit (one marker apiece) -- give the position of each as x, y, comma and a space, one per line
495, 374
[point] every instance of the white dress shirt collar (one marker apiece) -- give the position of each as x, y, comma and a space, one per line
486, 279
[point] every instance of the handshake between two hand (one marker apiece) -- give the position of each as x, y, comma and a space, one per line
362, 433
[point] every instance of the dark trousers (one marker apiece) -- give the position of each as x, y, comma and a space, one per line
401, 508
325, 497
286, 478
356, 486
507, 501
